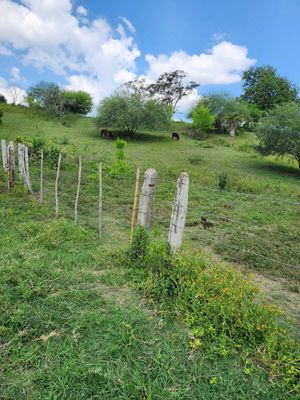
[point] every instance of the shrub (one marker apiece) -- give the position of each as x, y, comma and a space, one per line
222, 180
219, 305
2, 99
78, 102
203, 120
119, 168
1, 116
36, 144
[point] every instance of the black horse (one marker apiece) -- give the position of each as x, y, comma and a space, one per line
175, 135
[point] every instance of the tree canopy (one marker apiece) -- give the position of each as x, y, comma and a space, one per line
56, 101
2, 98
279, 131
170, 87
264, 88
131, 111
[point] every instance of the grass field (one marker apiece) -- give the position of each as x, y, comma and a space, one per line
71, 326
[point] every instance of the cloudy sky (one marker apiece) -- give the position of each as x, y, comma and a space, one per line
98, 45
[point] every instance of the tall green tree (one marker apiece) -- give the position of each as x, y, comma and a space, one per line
47, 95
79, 102
130, 111
279, 131
264, 88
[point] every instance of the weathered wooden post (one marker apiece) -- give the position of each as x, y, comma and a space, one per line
11, 164
77, 192
147, 198
4, 154
26, 164
135, 202
179, 211
42, 178
23, 165
56, 184
100, 211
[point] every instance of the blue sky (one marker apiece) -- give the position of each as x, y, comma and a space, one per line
97, 45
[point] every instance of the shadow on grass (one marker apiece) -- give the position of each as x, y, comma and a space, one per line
274, 166
136, 137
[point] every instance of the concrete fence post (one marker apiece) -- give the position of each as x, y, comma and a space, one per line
147, 198
4, 154
11, 164
179, 212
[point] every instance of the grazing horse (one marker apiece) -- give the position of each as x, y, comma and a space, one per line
175, 135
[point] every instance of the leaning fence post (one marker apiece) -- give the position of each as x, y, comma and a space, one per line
56, 184
77, 192
11, 164
21, 158
41, 177
147, 198
100, 202
4, 154
135, 202
179, 213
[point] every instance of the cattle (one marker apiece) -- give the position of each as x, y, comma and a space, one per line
175, 136
106, 133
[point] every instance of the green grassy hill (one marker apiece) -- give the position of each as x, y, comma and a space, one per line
71, 325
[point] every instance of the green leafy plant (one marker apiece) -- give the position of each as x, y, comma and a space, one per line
222, 180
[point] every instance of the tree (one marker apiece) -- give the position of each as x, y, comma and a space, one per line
235, 115
230, 113
2, 98
15, 93
203, 119
216, 102
169, 87
78, 102
48, 96
279, 131
264, 88
132, 111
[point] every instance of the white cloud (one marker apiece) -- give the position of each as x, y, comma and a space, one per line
82, 11
4, 51
218, 37
223, 64
128, 24
12, 92
95, 56
15, 74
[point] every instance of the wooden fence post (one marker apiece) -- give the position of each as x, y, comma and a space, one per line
179, 211
4, 154
41, 178
23, 165
11, 164
56, 184
77, 192
100, 202
135, 202
147, 198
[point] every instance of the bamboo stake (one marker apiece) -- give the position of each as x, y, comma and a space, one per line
41, 176
135, 203
56, 185
100, 201
77, 193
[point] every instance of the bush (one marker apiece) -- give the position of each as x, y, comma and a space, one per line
1, 116
36, 144
222, 180
120, 167
203, 120
219, 305
2, 99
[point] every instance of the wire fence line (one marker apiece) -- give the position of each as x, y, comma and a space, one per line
118, 195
